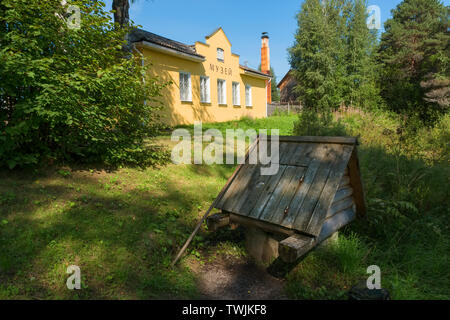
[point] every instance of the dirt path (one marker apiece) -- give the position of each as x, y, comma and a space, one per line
228, 277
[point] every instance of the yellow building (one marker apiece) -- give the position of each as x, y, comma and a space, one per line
208, 82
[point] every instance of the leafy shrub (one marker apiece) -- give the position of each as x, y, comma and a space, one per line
71, 95
313, 123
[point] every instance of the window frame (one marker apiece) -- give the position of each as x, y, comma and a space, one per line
222, 54
237, 94
207, 90
189, 86
249, 101
222, 99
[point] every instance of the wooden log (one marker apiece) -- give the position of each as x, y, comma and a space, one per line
292, 248
356, 183
217, 220
336, 222
344, 181
342, 193
339, 206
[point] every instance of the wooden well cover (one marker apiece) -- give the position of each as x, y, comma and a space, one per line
299, 195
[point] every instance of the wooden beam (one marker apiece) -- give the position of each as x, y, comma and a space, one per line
315, 139
356, 183
217, 220
266, 226
292, 248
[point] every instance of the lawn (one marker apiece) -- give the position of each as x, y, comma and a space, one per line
123, 227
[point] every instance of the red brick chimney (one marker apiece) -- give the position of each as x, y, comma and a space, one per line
265, 63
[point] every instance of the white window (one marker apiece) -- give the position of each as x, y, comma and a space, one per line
248, 95
204, 89
185, 86
236, 94
221, 91
220, 54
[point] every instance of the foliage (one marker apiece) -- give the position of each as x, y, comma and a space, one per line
332, 56
311, 123
68, 94
124, 227
414, 52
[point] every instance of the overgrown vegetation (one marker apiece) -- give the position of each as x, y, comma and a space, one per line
124, 227
405, 233
337, 61
70, 94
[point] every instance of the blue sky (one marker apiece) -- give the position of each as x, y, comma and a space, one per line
188, 21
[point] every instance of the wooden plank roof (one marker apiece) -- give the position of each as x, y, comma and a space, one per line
299, 195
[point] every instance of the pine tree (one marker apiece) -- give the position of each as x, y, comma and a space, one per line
361, 69
414, 51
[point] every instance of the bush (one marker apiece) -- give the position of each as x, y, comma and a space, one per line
71, 95
313, 123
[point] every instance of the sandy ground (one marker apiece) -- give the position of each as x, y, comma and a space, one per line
232, 278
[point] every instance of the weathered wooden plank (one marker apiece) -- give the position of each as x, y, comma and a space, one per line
303, 154
288, 153
344, 181
339, 206
277, 193
220, 199
334, 223
217, 220
282, 147
356, 183
292, 248
266, 226
342, 193
266, 193
329, 190
306, 211
238, 187
294, 208
317, 139
257, 190
279, 212
248, 190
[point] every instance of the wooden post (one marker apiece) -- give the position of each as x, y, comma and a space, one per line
217, 220
292, 248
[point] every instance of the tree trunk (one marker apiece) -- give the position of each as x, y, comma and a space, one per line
121, 12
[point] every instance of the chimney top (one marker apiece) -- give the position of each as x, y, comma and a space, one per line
265, 35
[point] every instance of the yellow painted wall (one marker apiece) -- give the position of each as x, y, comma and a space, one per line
167, 68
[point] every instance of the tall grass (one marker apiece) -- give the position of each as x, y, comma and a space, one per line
406, 232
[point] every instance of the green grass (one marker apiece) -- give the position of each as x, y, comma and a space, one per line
124, 227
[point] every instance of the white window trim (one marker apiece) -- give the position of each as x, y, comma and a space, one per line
237, 94
189, 97
224, 92
223, 55
248, 103
208, 90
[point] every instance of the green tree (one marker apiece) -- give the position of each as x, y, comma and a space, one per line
317, 54
361, 67
414, 52
273, 86
68, 94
